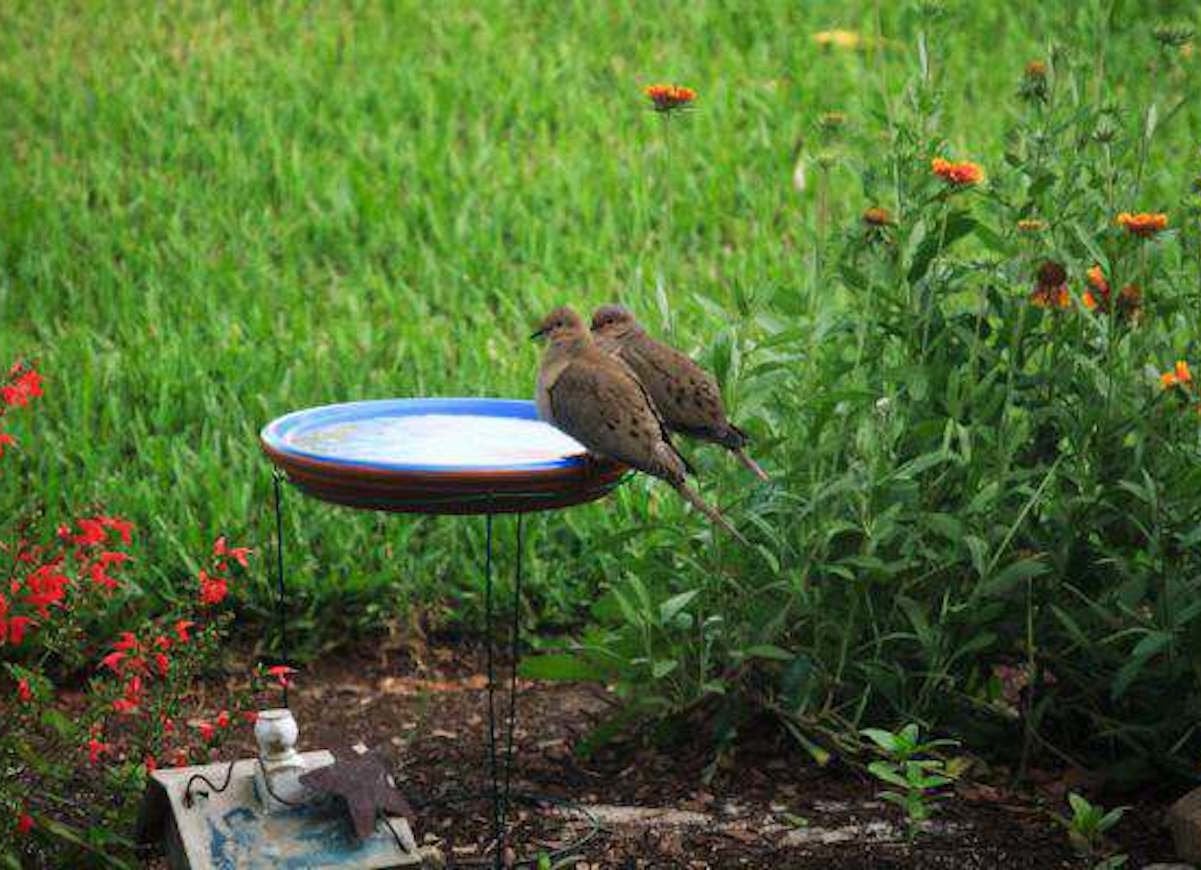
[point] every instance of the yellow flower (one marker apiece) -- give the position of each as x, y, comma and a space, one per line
1031, 225
838, 38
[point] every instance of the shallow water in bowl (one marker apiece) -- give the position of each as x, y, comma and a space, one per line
455, 440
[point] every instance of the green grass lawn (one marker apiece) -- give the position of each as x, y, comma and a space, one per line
212, 214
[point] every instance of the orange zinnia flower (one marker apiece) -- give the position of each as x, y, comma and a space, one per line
1051, 287
1144, 224
877, 217
962, 174
1096, 280
1130, 303
1051, 297
1179, 376
668, 98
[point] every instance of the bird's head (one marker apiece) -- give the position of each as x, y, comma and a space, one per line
613, 321
562, 323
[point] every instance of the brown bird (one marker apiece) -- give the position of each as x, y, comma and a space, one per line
597, 400
686, 395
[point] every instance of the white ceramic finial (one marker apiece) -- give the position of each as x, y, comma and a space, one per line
278, 775
276, 732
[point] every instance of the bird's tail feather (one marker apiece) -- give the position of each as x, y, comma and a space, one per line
750, 463
693, 498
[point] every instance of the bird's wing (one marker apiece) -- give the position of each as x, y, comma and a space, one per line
687, 396
600, 404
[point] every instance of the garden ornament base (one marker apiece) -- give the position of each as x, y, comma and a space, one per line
254, 813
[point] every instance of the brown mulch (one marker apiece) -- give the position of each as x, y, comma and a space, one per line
760, 808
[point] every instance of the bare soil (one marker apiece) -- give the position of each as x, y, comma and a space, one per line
767, 805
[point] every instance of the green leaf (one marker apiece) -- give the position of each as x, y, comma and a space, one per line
884, 771
663, 667
1111, 818
1086, 239
562, 667
1011, 575
769, 651
886, 740
1153, 643
1080, 806
669, 608
958, 225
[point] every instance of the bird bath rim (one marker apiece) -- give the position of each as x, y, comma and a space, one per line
429, 487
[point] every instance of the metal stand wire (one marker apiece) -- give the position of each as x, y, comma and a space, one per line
501, 792
281, 611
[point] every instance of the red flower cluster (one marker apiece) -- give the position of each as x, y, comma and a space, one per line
24, 824
21, 385
213, 587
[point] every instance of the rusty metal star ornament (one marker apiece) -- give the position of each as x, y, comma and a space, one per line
362, 781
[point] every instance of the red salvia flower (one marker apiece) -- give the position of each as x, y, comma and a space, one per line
112, 557
122, 527
212, 589
45, 586
24, 387
95, 749
24, 824
91, 533
206, 731
223, 719
150, 763
238, 554
112, 661
17, 626
282, 674
6, 440
181, 629
24, 693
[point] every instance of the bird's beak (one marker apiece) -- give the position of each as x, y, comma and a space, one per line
537, 335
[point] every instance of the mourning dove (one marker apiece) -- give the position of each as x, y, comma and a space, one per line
686, 395
597, 400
